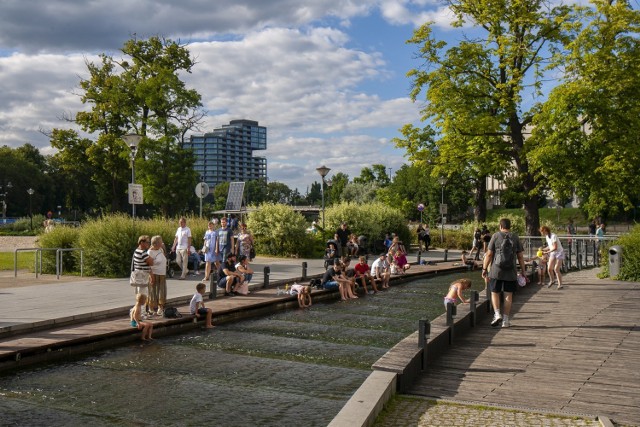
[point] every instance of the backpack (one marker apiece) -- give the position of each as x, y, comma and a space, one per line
505, 259
172, 313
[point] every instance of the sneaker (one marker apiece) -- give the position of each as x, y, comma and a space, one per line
506, 323
497, 318
550, 284
160, 312
559, 286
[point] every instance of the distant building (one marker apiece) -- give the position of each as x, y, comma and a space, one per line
226, 153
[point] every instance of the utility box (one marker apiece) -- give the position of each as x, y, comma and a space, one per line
615, 260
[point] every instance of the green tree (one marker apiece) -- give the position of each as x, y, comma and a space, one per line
358, 192
376, 173
333, 192
278, 192
588, 129
475, 90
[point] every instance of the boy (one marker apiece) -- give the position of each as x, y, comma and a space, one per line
362, 274
197, 305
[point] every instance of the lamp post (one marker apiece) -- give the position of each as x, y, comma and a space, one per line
443, 181
132, 140
323, 171
30, 191
4, 199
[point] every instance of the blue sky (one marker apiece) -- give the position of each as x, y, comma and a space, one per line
327, 77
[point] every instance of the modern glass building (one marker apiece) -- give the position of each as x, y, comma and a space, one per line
226, 153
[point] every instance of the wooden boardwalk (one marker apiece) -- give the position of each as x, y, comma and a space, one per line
575, 350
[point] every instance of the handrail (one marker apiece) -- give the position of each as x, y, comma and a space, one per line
15, 260
59, 253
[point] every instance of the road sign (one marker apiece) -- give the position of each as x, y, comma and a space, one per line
202, 190
443, 208
420, 207
136, 195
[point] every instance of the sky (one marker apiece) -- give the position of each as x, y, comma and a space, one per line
326, 77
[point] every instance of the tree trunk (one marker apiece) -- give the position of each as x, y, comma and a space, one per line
480, 206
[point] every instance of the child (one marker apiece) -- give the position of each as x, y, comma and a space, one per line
197, 305
542, 258
455, 291
466, 261
304, 294
135, 316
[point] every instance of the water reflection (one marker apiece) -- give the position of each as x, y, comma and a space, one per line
300, 365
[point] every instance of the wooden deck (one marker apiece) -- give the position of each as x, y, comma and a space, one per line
575, 350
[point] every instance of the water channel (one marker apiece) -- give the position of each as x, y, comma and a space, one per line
290, 368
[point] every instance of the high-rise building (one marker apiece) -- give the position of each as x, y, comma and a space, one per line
226, 153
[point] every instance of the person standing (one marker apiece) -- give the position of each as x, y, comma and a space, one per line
343, 234
182, 247
209, 250
556, 256
244, 242
158, 284
142, 262
499, 269
225, 241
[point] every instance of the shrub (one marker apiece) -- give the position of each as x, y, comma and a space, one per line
630, 267
372, 220
59, 237
279, 230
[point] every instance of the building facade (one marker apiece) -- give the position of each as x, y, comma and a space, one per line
227, 153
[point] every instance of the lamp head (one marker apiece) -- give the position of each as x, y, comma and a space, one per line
132, 140
323, 170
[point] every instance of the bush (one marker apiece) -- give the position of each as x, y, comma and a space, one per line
372, 220
630, 267
59, 237
279, 230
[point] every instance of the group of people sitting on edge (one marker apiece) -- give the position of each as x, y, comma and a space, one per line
347, 280
397, 257
234, 276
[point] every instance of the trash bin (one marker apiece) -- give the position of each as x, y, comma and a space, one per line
615, 260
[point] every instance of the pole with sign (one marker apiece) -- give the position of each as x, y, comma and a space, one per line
202, 189
420, 209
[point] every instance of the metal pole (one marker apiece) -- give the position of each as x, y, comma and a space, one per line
322, 192
304, 270
442, 218
133, 181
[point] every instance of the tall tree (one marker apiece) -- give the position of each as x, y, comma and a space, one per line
333, 192
475, 90
589, 127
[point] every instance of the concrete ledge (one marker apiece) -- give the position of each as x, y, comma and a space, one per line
367, 402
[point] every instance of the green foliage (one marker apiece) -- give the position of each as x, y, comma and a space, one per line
60, 237
630, 267
372, 220
279, 230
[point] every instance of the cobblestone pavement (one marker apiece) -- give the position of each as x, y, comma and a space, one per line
404, 411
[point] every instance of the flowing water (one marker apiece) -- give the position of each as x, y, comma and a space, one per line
297, 367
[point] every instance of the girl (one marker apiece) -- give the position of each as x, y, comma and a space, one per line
136, 321
542, 259
455, 292
556, 256
304, 294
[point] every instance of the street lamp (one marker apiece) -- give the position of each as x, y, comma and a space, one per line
30, 191
132, 140
323, 171
4, 199
443, 181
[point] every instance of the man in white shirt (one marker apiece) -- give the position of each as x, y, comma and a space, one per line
182, 247
380, 270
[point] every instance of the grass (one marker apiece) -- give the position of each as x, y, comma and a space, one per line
25, 260
548, 215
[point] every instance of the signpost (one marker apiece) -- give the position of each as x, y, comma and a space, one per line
202, 190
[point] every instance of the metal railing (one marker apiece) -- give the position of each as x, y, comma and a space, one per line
580, 251
38, 259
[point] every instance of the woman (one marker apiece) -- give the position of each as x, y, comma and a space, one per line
244, 242
209, 250
556, 256
158, 283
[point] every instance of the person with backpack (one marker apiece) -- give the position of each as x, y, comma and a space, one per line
499, 270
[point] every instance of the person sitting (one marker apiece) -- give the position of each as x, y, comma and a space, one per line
242, 267
194, 260
380, 270
228, 277
466, 260
400, 259
352, 245
362, 274
333, 279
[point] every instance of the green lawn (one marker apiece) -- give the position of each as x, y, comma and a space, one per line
25, 260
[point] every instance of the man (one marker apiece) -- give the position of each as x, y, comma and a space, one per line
229, 276
380, 270
182, 247
502, 250
333, 279
225, 242
343, 234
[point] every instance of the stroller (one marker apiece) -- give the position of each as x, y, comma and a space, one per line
332, 252
171, 259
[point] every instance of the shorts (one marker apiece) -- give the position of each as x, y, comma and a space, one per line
134, 324
331, 285
559, 255
503, 285
144, 290
202, 311
449, 300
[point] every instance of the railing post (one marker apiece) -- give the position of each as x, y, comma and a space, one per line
451, 312
213, 284
424, 330
267, 271
304, 270
446, 253
419, 255
475, 297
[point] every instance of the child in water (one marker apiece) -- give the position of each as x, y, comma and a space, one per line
304, 294
455, 291
135, 317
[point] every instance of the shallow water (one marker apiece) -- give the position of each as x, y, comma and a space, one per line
290, 368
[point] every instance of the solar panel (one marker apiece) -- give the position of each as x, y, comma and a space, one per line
234, 198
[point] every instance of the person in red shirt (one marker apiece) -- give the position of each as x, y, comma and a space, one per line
362, 274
